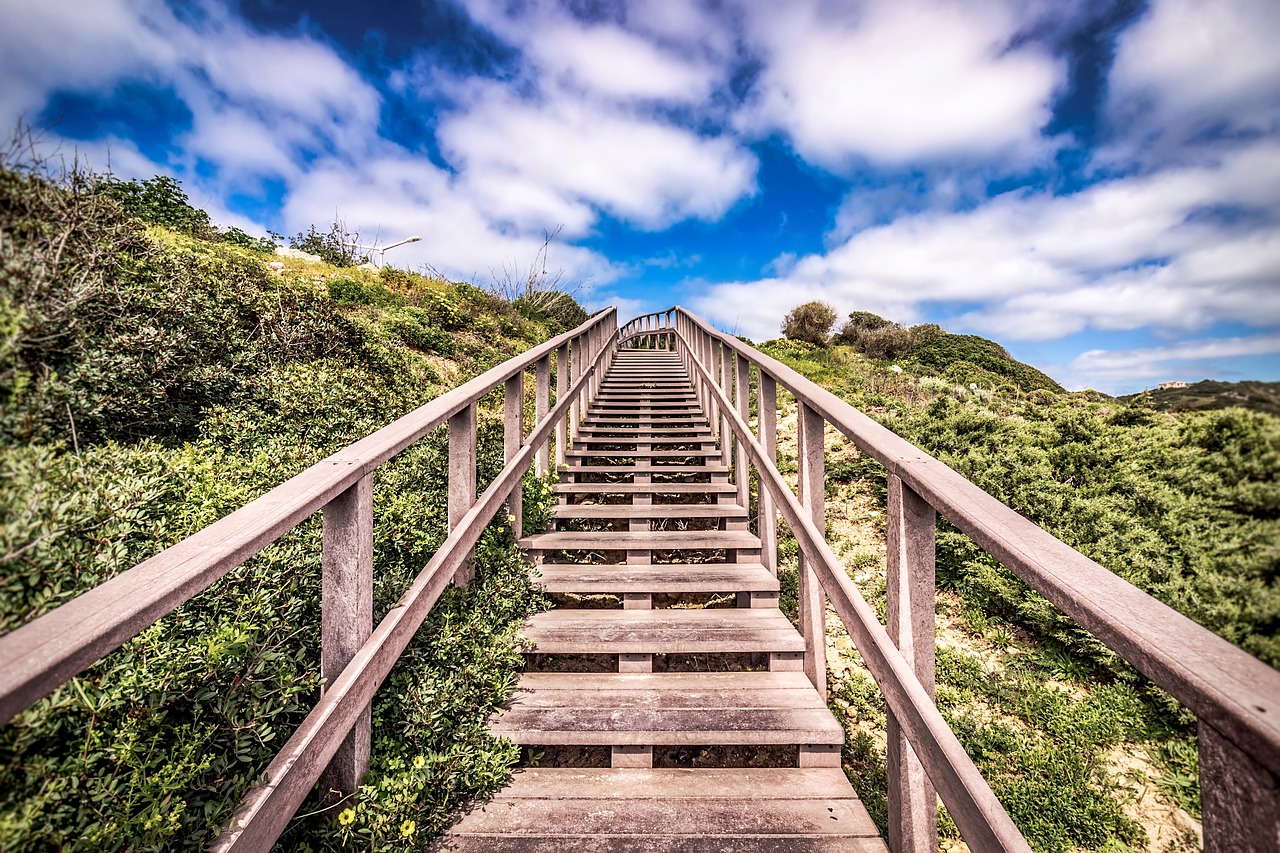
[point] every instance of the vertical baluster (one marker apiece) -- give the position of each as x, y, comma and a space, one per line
813, 611
726, 382
708, 365
767, 429
742, 394
512, 438
1240, 798
462, 479
346, 615
566, 427
542, 405
579, 358
910, 597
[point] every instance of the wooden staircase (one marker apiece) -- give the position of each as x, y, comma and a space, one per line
647, 513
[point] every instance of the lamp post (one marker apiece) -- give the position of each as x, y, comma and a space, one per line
382, 250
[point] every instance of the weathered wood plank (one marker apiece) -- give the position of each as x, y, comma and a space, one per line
649, 511
662, 631
346, 616
911, 598
639, 577
664, 540
812, 493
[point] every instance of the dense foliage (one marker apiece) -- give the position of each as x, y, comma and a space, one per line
153, 382
810, 323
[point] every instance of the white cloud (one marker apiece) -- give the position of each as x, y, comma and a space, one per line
637, 168
395, 194
896, 82
1119, 255
85, 47
1105, 369
1188, 66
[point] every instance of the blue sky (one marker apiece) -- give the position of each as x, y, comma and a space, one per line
1096, 185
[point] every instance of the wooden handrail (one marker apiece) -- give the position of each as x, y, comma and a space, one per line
1235, 696
40, 656
266, 810
977, 812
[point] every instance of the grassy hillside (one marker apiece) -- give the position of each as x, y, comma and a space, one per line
1083, 752
150, 382
1207, 395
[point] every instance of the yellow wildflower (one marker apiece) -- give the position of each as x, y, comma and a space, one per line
419, 762
347, 817
407, 828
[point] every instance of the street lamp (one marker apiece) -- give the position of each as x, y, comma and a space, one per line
382, 250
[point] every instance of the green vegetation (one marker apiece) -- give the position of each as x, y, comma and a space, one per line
152, 381
1184, 506
810, 323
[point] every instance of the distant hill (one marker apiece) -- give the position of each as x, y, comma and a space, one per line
1210, 394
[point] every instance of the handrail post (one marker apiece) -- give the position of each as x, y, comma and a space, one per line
713, 367
742, 395
767, 429
462, 478
566, 427
579, 362
812, 494
1240, 799
512, 439
346, 616
542, 405
911, 596
726, 382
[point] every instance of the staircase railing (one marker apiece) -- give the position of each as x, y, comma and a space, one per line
334, 739
1235, 696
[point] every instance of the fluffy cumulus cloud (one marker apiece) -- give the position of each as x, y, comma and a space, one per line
1188, 68
1122, 254
636, 168
394, 194
898, 82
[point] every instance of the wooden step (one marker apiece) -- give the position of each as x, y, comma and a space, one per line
651, 578
669, 631
623, 468
746, 810
641, 540
710, 450
640, 430
642, 511
681, 415
667, 709
645, 489
583, 443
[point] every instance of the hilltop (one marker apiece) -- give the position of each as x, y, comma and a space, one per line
1209, 394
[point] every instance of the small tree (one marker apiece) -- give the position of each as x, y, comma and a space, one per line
332, 246
810, 322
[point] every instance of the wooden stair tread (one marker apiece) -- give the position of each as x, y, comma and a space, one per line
644, 488
734, 629
710, 450
623, 468
592, 446
667, 709
659, 577
659, 540
649, 511
745, 810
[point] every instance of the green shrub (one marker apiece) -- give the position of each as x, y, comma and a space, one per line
349, 291
160, 201
413, 326
937, 353
810, 322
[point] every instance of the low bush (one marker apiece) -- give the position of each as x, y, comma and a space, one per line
810, 322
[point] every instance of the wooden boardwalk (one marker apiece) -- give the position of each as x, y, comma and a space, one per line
646, 511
